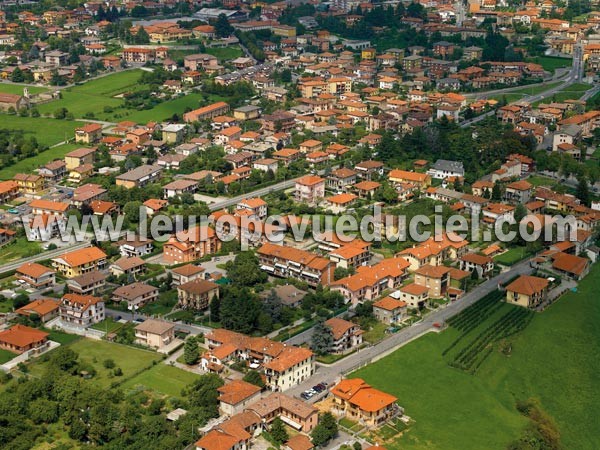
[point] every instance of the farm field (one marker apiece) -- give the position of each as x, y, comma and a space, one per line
555, 360
225, 53
572, 92
551, 63
164, 379
525, 91
46, 131
22, 248
95, 95
29, 164
7, 88
130, 360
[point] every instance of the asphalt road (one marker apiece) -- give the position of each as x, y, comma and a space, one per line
333, 372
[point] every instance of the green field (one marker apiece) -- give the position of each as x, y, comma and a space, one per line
225, 54
22, 248
95, 95
572, 92
162, 378
512, 256
6, 356
551, 63
29, 164
46, 131
108, 325
130, 360
524, 92
18, 89
556, 360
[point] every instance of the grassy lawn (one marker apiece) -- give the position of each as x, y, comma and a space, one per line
524, 92
551, 63
29, 164
130, 360
166, 109
555, 359
108, 325
6, 356
572, 92
94, 96
162, 378
18, 89
46, 131
512, 256
6, 305
165, 303
225, 53
22, 248
376, 333
539, 180
61, 337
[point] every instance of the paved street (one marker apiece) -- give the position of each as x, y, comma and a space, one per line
334, 371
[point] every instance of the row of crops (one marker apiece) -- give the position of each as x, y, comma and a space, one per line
475, 341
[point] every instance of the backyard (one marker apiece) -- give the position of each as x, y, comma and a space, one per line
512, 256
555, 360
161, 378
129, 359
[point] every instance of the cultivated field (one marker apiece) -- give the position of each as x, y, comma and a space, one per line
555, 359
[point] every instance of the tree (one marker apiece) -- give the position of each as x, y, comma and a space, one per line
191, 352
583, 191
496, 192
278, 431
142, 37
215, 309
240, 310
254, 377
245, 270
222, 27
326, 430
131, 210
17, 76
322, 338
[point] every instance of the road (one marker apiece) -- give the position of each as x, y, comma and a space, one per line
44, 255
333, 372
258, 193
575, 75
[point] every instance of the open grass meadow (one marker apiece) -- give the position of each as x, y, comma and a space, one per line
46, 131
21, 248
551, 63
555, 359
163, 379
28, 165
225, 53
7, 88
524, 92
93, 96
573, 92
129, 359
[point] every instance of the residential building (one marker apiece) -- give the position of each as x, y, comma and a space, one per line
135, 246
79, 157
483, 265
132, 267
36, 276
20, 339
288, 295
443, 169
90, 283
81, 310
294, 412
207, 112
527, 291
154, 333
291, 367
236, 395
414, 295
78, 262
435, 278
29, 184
346, 335
88, 134
190, 245
196, 294
389, 310
44, 308
184, 274
359, 402
135, 294
282, 261
310, 189
139, 177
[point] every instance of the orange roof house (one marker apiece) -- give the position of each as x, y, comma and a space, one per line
527, 291
44, 308
20, 338
358, 401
